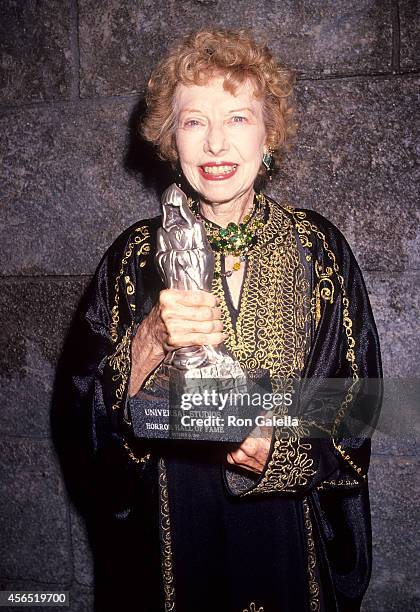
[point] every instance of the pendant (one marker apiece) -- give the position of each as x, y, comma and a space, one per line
236, 266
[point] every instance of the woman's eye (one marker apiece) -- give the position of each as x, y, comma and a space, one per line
239, 119
191, 123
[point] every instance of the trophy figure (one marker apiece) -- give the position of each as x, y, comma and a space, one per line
185, 261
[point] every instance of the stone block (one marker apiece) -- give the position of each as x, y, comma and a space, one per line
30, 345
36, 51
82, 598
68, 191
326, 38
82, 553
394, 500
354, 162
33, 513
409, 34
121, 42
395, 303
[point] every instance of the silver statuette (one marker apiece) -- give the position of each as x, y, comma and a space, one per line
185, 261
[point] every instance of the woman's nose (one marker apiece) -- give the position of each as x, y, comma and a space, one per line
216, 141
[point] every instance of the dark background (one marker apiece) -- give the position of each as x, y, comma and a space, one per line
72, 75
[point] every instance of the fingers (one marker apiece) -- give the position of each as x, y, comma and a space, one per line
188, 298
198, 327
181, 339
243, 461
190, 318
191, 313
252, 454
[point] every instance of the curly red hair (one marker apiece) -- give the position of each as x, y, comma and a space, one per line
237, 57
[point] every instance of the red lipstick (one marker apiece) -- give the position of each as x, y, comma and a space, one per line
226, 170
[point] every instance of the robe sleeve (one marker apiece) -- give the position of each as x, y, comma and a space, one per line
342, 374
106, 322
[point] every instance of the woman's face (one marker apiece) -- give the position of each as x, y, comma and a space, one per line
220, 139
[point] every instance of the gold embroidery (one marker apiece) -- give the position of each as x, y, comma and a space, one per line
134, 457
120, 362
150, 380
314, 603
338, 484
324, 288
129, 287
304, 228
140, 239
289, 468
271, 334
253, 608
271, 330
167, 572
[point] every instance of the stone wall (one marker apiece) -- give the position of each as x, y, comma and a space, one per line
72, 72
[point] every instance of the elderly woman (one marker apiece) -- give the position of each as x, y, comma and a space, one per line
274, 523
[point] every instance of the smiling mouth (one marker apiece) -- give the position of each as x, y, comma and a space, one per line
218, 171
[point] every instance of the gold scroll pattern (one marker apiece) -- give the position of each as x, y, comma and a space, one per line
141, 240
166, 540
253, 608
120, 360
305, 228
272, 333
324, 288
314, 603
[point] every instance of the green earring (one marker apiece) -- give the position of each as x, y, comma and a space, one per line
268, 160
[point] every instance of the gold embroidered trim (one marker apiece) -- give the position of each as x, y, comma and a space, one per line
253, 608
314, 603
120, 362
324, 288
304, 228
133, 457
338, 484
289, 468
150, 380
143, 234
167, 571
271, 333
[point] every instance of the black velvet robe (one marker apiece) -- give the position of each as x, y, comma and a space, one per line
295, 538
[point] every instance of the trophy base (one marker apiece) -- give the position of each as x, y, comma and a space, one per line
202, 404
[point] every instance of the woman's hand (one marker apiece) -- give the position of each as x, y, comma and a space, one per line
189, 318
179, 319
253, 452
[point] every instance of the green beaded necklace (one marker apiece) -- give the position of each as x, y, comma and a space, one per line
236, 238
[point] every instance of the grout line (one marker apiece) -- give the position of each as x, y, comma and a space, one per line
43, 277
77, 101
63, 586
388, 455
19, 437
396, 34
74, 44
